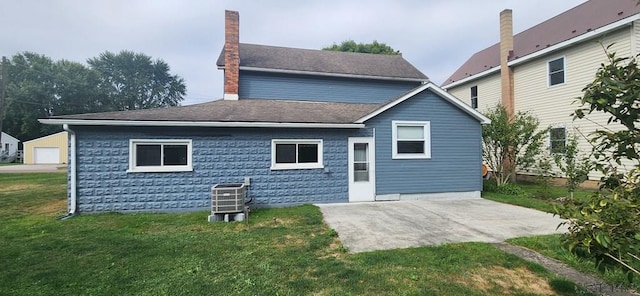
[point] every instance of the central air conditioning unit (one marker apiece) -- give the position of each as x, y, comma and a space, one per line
227, 200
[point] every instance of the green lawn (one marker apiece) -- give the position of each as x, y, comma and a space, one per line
183, 254
536, 196
543, 199
551, 246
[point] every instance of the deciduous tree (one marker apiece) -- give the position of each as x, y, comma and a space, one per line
131, 81
374, 47
30, 95
508, 144
38, 87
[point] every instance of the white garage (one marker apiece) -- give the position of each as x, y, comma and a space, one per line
46, 155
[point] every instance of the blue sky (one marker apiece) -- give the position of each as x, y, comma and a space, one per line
436, 36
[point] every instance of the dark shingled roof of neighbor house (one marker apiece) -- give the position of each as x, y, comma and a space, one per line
275, 58
572, 23
243, 110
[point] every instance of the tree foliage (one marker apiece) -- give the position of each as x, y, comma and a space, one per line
30, 95
132, 81
574, 166
374, 47
39, 87
508, 144
606, 226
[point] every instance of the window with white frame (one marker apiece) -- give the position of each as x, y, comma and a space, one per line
557, 139
411, 139
296, 154
474, 97
152, 155
556, 71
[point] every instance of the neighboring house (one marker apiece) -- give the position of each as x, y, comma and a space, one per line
543, 69
8, 147
298, 126
51, 149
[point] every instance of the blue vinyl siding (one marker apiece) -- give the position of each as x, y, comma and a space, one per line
219, 156
456, 155
256, 85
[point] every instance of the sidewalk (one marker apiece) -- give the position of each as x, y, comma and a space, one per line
33, 168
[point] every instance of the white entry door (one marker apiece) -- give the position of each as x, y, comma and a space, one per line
362, 184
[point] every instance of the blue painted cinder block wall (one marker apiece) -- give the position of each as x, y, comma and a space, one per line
219, 156
257, 85
456, 151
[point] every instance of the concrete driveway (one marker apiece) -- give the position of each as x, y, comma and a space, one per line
33, 168
400, 224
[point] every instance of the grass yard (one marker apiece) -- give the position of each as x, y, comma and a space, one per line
535, 196
287, 251
543, 199
550, 246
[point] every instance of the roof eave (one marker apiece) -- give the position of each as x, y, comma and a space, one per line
298, 72
45, 137
472, 78
555, 47
147, 123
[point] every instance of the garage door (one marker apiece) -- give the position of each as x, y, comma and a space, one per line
46, 155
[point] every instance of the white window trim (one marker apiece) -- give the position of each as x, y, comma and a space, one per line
154, 169
566, 137
296, 166
427, 140
564, 71
472, 97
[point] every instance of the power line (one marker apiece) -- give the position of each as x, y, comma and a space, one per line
4, 77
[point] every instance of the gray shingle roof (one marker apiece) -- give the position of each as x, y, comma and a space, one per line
326, 62
572, 23
244, 110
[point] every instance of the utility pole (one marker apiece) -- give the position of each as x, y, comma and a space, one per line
4, 79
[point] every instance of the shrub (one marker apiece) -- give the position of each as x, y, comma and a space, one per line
511, 189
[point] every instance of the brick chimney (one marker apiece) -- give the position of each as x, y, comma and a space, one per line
231, 54
506, 50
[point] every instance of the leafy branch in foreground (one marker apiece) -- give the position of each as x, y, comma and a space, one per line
606, 226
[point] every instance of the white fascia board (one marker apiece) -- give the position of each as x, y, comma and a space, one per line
439, 91
298, 72
473, 77
558, 46
9, 136
45, 137
577, 39
199, 123
457, 102
393, 103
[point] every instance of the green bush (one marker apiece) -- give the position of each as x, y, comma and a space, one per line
508, 188
489, 186
511, 189
606, 225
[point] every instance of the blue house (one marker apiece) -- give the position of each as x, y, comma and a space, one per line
298, 126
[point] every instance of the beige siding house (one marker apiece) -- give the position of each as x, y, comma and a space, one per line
51, 149
550, 64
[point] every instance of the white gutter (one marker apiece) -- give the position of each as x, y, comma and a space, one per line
73, 203
300, 72
558, 46
198, 123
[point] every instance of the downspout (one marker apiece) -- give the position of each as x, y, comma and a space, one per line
73, 203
